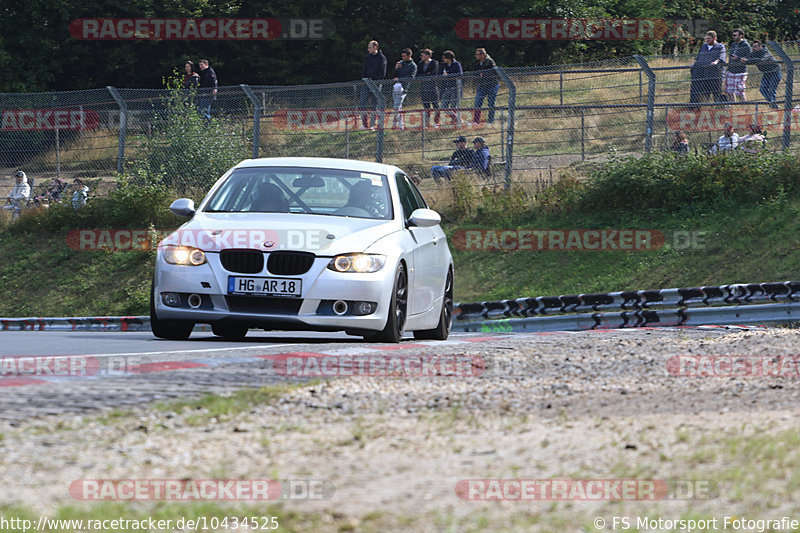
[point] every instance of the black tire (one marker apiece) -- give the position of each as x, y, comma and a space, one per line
175, 330
442, 329
229, 331
396, 321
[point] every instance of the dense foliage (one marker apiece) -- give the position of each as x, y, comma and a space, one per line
37, 52
671, 182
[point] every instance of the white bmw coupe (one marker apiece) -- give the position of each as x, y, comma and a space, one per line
306, 244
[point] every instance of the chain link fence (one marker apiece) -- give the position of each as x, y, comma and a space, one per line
535, 121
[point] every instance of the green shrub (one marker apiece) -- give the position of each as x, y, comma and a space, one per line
133, 204
185, 151
670, 182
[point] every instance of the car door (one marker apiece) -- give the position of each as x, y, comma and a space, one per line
422, 280
441, 261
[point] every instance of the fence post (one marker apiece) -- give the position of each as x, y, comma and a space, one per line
512, 107
651, 100
256, 117
380, 108
123, 126
583, 135
788, 101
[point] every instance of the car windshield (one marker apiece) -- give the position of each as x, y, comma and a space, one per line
318, 191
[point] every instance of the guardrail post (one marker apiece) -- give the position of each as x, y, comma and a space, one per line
256, 118
123, 126
512, 107
651, 100
380, 108
788, 101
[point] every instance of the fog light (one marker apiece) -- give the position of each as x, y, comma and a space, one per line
171, 299
364, 308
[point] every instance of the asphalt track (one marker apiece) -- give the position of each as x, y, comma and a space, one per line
53, 372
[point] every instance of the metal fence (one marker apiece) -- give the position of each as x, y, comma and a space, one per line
543, 118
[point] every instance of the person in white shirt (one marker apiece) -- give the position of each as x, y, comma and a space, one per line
728, 141
19, 195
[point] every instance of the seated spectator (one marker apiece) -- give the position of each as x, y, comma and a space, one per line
481, 158
753, 142
680, 143
728, 141
19, 195
52, 194
462, 158
80, 194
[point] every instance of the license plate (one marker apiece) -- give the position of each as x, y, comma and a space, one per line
265, 286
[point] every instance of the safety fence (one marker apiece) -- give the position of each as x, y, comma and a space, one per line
532, 119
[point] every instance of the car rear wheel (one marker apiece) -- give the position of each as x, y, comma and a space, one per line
229, 331
396, 319
175, 330
442, 329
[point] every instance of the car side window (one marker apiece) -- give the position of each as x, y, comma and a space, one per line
417, 195
406, 195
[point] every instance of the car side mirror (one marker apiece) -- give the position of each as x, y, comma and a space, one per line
183, 207
424, 218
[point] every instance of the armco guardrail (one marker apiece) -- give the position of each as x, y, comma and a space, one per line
739, 303
724, 304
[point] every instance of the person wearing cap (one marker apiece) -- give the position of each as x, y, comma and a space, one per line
481, 155
462, 158
19, 194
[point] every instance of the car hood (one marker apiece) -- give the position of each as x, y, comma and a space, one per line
269, 232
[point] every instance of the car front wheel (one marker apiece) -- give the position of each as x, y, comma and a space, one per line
396, 319
175, 330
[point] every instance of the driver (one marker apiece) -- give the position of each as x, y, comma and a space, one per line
362, 195
270, 199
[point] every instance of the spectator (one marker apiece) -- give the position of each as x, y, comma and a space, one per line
481, 155
680, 143
728, 141
191, 79
19, 195
705, 70
753, 142
488, 84
462, 158
429, 89
374, 69
771, 71
52, 194
404, 71
208, 88
452, 84
80, 194
736, 77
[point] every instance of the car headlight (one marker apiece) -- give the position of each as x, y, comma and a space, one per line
184, 255
357, 263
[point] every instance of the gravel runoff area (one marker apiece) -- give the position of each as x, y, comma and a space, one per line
590, 405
